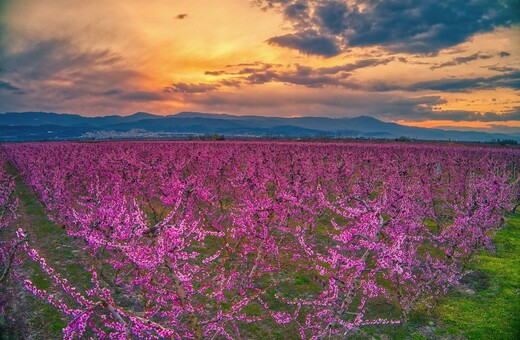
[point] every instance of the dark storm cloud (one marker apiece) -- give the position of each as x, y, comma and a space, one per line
214, 73
507, 80
296, 11
7, 86
461, 116
57, 74
462, 60
492, 116
308, 42
411, 26
256, 63
111, 92
331, 16
262, 73
141, 96
46, 59
241, 69
190, 88
501, 68
302, 75
196, 88
362, 63
412, 62
338, 76
230, 82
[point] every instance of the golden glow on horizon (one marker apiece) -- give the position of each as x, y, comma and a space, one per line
451, 124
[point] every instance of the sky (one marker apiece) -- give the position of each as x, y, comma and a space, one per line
453, 64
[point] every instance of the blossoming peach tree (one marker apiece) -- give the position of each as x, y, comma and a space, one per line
199, 240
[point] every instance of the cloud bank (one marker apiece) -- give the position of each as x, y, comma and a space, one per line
326, 28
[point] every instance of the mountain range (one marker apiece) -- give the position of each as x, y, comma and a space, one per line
39, 126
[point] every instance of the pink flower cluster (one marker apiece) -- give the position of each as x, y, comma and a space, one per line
197, 239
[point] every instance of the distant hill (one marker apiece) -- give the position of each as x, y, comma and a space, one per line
66, 119
33, 126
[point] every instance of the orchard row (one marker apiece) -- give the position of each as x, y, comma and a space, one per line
201, 239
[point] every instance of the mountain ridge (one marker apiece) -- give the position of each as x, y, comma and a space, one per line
20, 126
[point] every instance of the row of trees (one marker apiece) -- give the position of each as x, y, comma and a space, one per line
8, 206
198, 240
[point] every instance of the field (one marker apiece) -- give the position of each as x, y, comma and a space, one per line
259, 240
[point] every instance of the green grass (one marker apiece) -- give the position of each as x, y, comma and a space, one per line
51, 240
493, 312
52, 243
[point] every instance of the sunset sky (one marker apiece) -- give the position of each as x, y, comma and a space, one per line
448, 63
